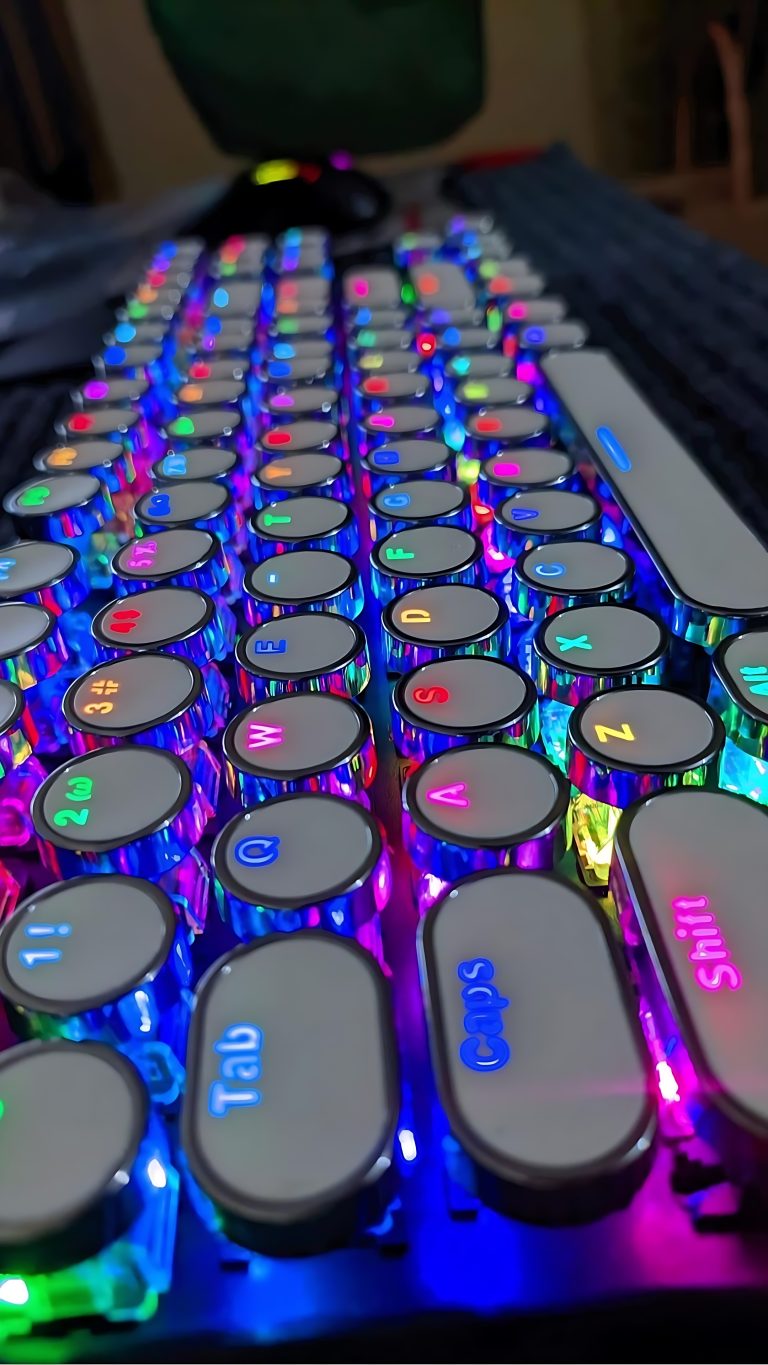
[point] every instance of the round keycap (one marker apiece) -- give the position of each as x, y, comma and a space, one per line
319, 580
588, 649
628, 742
313, 399
98, 422
455, 700
388, 362
31, 566
216, 369
305, 348
74, 1116
122, 393
305, 434
80, 944
296, 852
423, 554
127, 696
213, 393
401, 419
137, 359
77, 458
485, 805
541, 310
314, 651
283, 742
420, 500
393, 388
534, 467
427, 623
559, 336
207, 424
110, 797
153, 619
249, 1063
528, 519
302, 370
50, 497
315, 471
201, 462
482, 393
304, 519
183, 503
408, 458
381, 339
566, 573
179, 551
480, 365
504, 426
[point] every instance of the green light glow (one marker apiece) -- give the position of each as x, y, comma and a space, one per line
594, 825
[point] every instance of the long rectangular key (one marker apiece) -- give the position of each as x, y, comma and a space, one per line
713, 565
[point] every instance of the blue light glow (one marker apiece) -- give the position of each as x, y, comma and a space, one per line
278, 369
484, 1048
124, 332
221, 297
258, 850
114, 355
613, 448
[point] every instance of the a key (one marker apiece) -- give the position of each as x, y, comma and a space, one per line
526, 468
456, 701
43, 571
311, 324
423, 555
569, 573
395, 460
387, 362
116, 393
714, 568
132, 810
227, 396
302, 580
282, 371
535, 337
97, 957
482, 806
184, 557
415, 502
177, 620
205, 504
544, 311
454, 339
139, 360
205, 426
303, 400
300, 860
74, 1114
205, 368
119, 425
530, 519
304, 434
688, 874
588, 649
109, 463
505, 284
307, 742
371, 287
313, 472
63, 507
401, 421
157, 699
199, 463
249, 1059
32, 646
492, 431
303, 523
240, 299
379, 339
539, 1057
436, 622
232, 337
479, 365
474, 395
306, 652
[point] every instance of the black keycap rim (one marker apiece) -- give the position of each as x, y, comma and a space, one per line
129, 604
397, 633
358, 646
350, 751
400, 704
706, 755
577, 667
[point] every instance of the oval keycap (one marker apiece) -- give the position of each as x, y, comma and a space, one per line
588, 649
456, 700
204, 368
539, 1056
311, 522
258, 1046
532, 467
480, 365
309, 580
158, 698
484, 805
43, 571
527, 520
84, 944
401, 419
568, 573
384, 390
307, 652
628, 742
313, 856
77, 458
474, 394
184, 557
74, 1120
207, 505
198, 463
207, 425
315, 473
309, 400
503, 426
116, 423
181, 620
423, 554
689, 873
407, 459
305, 434
569, 335
373, 286
120, 393
430, 623
307, 742
130, 810
303, 370
59, 507
416, 501
388, 362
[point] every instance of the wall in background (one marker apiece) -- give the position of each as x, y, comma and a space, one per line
539, 89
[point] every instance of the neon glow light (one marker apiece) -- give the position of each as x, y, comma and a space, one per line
452, 795
614, 449
578, 642
425, 696
603, 732
484, 1048
264, 736
694, 920
96, 389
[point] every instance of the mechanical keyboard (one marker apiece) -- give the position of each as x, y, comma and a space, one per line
384, 740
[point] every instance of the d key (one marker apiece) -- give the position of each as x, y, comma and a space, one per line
260, 1046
